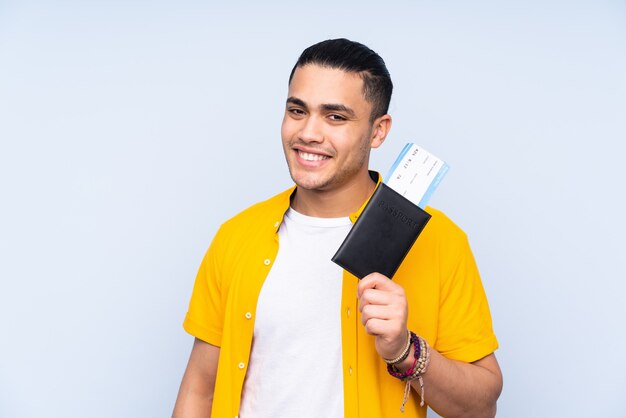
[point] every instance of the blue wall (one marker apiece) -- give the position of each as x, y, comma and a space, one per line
129, 130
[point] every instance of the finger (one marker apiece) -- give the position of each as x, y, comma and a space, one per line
375, 326
384, 312
375, 281
375, 297
388, 329
371, 281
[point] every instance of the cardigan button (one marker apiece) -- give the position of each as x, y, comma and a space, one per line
248, 315
241, 365
267, 262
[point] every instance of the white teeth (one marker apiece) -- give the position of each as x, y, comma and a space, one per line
312, 157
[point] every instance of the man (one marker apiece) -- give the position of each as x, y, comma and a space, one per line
281, 331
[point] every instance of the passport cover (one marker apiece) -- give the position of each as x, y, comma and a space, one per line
383, 235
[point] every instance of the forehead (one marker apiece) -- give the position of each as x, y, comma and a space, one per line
317, 85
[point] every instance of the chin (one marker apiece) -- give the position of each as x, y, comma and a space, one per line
310, 185
310, 182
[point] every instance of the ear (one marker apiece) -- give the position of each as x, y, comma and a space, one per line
381, 127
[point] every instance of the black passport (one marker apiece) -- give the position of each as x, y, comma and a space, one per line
383, 235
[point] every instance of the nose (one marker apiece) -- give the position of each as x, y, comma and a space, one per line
312, 130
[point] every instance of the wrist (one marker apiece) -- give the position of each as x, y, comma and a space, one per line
419, 364
406, 364
402, 356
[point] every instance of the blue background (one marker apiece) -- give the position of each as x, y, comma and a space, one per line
129, 130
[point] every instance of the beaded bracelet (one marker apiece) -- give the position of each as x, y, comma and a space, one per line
391, 368
420, 370
421, 361
405, 352
421, 356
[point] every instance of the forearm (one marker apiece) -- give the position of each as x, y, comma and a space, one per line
457, 389
193, 401
451, 388
195, 397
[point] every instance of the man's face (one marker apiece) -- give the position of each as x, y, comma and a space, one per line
326, 130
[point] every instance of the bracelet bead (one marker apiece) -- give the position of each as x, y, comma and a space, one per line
405, 352
421, 359
392, 370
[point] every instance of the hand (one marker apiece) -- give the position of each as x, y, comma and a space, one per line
384, 311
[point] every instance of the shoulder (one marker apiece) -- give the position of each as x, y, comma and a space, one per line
442, 239
260, 216
442, 227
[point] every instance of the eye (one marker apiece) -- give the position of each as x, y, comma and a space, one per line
296, 111
336, 118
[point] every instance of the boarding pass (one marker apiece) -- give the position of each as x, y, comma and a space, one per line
416, 173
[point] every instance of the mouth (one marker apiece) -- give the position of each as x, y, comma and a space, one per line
309, 156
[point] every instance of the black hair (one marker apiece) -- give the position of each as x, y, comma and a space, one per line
353, 57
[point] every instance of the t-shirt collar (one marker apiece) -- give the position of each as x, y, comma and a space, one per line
285, 201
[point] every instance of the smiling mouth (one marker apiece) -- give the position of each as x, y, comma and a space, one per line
312, 157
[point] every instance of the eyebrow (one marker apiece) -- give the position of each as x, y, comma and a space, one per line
296, 101
325, 107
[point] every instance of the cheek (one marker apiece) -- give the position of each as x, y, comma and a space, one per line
351, 143
286, 129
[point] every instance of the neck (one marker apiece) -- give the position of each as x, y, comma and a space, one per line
335, 203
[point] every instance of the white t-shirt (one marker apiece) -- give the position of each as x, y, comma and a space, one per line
295, 365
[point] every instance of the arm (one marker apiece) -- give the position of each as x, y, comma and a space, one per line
195, 396
452, 388
455, 388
